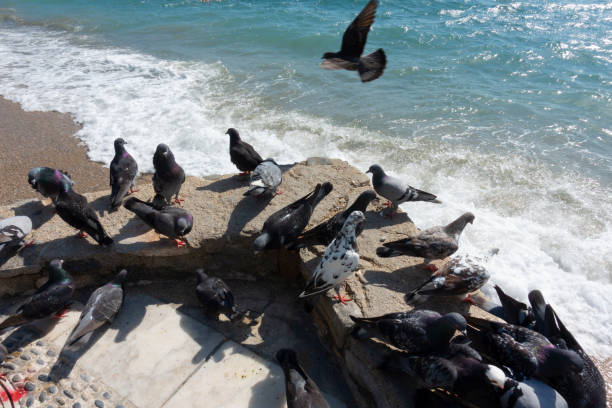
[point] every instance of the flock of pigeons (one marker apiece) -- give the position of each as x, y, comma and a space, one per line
527, 360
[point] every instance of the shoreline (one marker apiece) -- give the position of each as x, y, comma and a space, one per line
42, 138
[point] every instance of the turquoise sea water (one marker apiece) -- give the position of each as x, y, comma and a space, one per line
501, 108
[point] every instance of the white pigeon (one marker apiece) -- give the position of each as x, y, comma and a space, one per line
266, 178
339, 261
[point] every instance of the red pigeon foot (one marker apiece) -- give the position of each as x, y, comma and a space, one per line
431, 268
180, 244
278, 192
29, 244
82, 235
132, 191
468, 299
62, 313
342, 299
178, 200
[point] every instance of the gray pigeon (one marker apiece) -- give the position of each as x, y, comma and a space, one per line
339, 261
301, 390
416, 331
49, 182
433, 243
123, 171
265, 179
49, 299
172, 222
13, 231
396, 190
101, 308
461, 275
530, 394
169, 176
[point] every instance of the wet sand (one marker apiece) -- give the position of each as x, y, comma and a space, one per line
32, 139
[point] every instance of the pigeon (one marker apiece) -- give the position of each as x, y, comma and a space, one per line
101, 308
339, 261
301, 390
215, 295
460, 276
396, 190
13, 231
349, 57
265, 179
123, 171
325, 232
582, 389
283, 227
48, 300
433, 243
169, 176
514, 311
416, 331
48, 182
242, 154
526, 352
73, 208
3, 354
172, 222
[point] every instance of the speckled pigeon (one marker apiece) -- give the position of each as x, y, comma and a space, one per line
526, 352
265, 179
283, 227
349, 57
301, 390
242, 154
52, 297
416, 331
123, 171
169, 176
433, 243
101, 308
396, 190
339, 261
48, 182
325, 232
73, 208
460, 275
172, 222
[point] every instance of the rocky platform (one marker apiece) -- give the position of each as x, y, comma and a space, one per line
226, 223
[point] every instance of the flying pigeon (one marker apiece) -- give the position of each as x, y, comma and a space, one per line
123, 171
265, 179
396, 190
339, 261
585, 388
460, 276
47, 181
169, 176
73, 208
433, 243
325, 232
101, 308
172, 222
416, 331
242, 154
526, 352
49, 299
301, 390
349, 57
215, 295
13, 231
283, 227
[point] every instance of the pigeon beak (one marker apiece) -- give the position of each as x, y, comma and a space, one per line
369, 171
165, 153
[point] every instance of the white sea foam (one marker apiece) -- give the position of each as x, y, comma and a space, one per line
553, 228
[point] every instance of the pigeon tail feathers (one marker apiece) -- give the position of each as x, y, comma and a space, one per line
371, 66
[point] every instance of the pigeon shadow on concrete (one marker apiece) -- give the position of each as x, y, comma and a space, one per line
263, 394
68, 357
374, 220
134, 227
225, 184
101, 206
38, 213
29, 333
132, 314
246, 209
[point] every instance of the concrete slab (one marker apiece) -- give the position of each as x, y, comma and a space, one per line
149, 351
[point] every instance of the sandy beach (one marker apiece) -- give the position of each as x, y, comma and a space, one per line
31, 139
